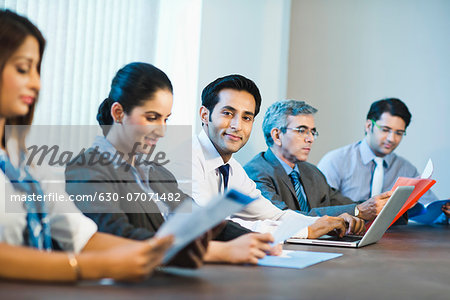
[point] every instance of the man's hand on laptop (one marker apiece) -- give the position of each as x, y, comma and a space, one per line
355, 225
327, 224
369, 209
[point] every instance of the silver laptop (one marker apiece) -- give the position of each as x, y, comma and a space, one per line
376, 230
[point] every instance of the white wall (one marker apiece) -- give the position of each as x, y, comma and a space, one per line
177, 54
346, 54
250, 38
339, 55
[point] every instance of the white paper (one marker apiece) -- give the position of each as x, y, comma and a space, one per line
285, 230
190, 220
296, 259
428, 171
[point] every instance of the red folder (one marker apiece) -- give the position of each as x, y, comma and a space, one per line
421, 187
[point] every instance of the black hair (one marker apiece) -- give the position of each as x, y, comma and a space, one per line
393, 106
14, 29
133, 84
210, 94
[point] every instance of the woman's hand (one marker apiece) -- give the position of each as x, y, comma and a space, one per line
131, 261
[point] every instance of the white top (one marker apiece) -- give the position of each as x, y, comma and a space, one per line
69, 227
207, 183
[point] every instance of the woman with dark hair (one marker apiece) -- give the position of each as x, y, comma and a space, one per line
17, 31
27, 238
133, 119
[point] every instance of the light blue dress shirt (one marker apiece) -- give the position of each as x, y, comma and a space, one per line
350, 169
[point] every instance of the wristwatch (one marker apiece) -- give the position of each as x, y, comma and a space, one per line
356, 211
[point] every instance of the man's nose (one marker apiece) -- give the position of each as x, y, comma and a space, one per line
391, 136
236, 123
309, 138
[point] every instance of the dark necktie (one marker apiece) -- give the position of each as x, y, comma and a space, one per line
225, 171
38, 227
295, 179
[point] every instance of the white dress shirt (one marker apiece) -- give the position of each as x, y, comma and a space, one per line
207, 183
69, 227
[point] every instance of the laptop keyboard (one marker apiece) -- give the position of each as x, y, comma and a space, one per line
346, 238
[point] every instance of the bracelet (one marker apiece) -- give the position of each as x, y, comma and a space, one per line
73, 262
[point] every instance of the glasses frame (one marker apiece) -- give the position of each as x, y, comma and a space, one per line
399, 133
308, 132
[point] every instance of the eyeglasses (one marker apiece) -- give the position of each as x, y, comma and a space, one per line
388, 130
304, 131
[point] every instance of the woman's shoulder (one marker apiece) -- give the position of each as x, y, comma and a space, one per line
89, 164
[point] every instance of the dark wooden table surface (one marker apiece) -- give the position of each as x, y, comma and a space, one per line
409, 262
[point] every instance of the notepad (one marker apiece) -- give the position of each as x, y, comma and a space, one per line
296, 259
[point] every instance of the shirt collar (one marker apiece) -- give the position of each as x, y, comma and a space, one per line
3, 153
15, 157
213, 160
286, 167
367, 154
104, 146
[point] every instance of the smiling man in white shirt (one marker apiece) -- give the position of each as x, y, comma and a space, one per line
229, 106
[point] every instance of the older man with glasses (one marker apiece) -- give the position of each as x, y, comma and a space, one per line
370, 166
283, 175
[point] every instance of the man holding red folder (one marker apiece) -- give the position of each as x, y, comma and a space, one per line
370, 166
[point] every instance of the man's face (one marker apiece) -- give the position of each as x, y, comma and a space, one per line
386, 134
230, 123
295, 145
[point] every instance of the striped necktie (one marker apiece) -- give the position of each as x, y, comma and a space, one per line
295, 179
37, 232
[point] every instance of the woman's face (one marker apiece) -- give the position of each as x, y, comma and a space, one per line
20, 80
147, 123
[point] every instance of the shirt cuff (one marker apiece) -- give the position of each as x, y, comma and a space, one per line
302, 234
261, 226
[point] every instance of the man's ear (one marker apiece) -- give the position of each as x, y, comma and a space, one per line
275, 134
368, 126
204, 115
117, 112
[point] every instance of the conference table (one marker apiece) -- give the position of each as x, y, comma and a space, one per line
409, 262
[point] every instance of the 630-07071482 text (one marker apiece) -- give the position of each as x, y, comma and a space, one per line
98, 196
